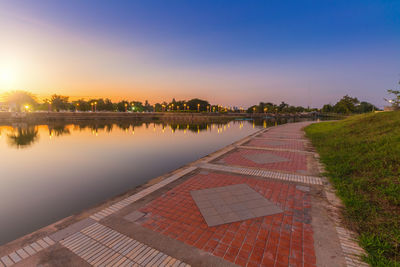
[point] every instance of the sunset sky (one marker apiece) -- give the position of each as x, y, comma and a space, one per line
228, 52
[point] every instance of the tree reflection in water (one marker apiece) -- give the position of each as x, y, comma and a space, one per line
58, 130
23, 137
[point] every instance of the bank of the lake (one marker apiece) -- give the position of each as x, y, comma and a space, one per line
53, 170
43, 117
362, 159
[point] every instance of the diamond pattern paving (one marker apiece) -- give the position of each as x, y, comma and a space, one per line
270, 134
271, 160
274, 143
232, 203
265, 158
282, 239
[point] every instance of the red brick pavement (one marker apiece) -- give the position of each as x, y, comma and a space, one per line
282, 135
269, 143
276, 240
297, 161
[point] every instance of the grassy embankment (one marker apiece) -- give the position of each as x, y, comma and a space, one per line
362, 159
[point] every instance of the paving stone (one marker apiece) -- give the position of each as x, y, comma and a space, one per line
22, 253
15, 257
70, 230
36, 246
303, 188
7, 261
265, 158
30, 250
134, 216
228, 202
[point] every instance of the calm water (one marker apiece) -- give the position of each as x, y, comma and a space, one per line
48, 172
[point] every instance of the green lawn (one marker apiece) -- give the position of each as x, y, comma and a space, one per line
362, 159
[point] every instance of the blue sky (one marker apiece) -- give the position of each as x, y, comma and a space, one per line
230, 52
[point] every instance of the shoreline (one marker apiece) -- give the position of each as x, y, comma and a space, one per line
325, 241
84, 214
33, 117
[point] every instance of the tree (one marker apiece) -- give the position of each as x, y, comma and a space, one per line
122, 106
198, 103
19, 100
365, 107
346, 105
327, 108
59, 102
283, 107
395, 102
136, 106
81, 105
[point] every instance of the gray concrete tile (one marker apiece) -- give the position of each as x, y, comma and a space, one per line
204, 204
245, 214
134, 216
230, 217
222, 209
213, 220
265, 158
303, 188
232, 203
238, 207
209, 211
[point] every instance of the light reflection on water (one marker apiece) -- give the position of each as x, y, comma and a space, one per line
48, 172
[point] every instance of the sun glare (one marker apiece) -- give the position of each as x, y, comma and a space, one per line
7, 78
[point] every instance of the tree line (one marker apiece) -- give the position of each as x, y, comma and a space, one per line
346, 105
25, 101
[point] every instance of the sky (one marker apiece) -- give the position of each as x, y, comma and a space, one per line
234, 53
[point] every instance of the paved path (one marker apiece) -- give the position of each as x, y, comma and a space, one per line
259, 202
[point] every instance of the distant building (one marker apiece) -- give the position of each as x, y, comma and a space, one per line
388, 108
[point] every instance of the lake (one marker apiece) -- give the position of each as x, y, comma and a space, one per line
48, 172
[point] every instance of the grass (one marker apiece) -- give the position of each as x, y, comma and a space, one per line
362, 159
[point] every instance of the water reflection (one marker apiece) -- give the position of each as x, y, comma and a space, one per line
73, 166
26, 135
58, 130
22, 137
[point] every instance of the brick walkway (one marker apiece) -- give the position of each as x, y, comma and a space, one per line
277, 143
284, 238
267, 160
272, 166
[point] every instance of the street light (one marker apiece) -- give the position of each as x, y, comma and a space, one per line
49, 105
198, 107
126, 107
95, 106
